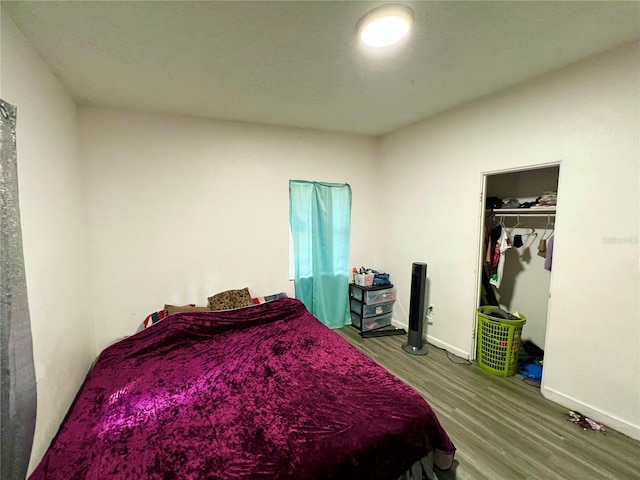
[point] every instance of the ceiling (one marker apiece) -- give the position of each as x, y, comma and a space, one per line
299, 64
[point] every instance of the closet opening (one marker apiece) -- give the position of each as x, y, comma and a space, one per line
515, 257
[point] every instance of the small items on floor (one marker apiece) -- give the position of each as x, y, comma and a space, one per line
530, 361
585, 422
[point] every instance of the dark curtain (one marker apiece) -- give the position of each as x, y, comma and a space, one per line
18, 407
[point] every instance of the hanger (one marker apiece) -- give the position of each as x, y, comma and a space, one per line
495, 220
546, 227
515, 226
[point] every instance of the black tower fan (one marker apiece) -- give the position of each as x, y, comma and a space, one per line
414, 345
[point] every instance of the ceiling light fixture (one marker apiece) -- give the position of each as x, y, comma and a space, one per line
385, 25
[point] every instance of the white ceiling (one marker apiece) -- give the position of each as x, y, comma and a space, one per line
300, 64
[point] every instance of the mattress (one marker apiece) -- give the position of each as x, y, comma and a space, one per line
262, 392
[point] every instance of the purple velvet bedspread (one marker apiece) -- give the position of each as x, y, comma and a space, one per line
266, 392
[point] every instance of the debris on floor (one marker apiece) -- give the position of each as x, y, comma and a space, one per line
530, 361
585, 422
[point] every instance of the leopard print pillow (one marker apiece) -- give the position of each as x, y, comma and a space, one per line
230, 299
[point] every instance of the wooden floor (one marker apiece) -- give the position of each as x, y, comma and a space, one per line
502, 427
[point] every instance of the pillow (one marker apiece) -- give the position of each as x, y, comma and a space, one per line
270, 298
151, 319
230, 299
171, 309
155, 317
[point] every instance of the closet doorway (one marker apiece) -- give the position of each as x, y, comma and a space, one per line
523, 203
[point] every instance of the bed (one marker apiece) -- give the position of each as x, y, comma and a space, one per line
264, 392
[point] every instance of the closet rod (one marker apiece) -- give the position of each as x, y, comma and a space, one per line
524, 214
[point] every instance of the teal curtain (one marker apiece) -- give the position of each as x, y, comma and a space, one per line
320, 220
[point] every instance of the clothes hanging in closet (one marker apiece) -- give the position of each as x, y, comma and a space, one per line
548, 259
499, 244
542, 248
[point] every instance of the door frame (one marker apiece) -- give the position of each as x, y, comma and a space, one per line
480, 243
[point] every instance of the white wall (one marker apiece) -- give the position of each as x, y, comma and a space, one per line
51, 190
587, 116
182, 208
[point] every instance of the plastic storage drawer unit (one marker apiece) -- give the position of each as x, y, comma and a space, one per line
365, 310
372, 297
372, 309
370, 323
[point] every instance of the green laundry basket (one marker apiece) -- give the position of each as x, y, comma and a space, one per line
498, 342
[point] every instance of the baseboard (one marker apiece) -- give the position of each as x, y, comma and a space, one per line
596, 414
449, 348
397, 324
435, 342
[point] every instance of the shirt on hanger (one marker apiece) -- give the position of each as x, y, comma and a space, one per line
548, 260
497, 266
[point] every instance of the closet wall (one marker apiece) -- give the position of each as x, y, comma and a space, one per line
525, 283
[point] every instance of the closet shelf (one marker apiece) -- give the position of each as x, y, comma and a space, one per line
541, 211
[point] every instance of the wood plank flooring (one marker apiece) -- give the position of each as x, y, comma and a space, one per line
503, 428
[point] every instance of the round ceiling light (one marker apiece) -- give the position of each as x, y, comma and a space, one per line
385, 25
